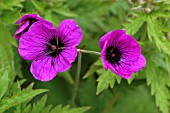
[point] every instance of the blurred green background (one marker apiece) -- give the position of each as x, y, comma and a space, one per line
96, 18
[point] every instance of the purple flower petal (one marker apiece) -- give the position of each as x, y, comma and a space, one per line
27, 17
69, 33
114, 34
18, 33
103, 56
69, 53
30, 49
120, 70
61, 64
138, 64
27, 20
33, 43
42, 69
128, 46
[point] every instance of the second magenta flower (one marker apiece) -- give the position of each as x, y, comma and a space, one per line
121, 53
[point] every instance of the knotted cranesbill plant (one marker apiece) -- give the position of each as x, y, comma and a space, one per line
51, 50
54, 50
121, 53
27, 20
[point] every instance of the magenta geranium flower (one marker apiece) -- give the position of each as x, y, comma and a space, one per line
121, 53
52, 50
27, 20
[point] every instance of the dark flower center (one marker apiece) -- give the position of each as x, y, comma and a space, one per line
113, 55
31, 21
55, 47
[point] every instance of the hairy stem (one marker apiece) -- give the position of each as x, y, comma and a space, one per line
87, 51
76, 83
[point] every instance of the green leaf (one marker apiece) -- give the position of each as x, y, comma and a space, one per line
52, 18
106, 79
3, 83
67, 109
93, 68
10, 4
163, 11
17, 63
6, 18
156, 34
167, 1
40, 6
19, 98
134, 24
101, 24
4, 43
4, 63
64, 12
132, 78
39, 107
159, 80
167, 63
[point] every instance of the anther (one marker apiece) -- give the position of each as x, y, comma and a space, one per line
53, 47
113, 55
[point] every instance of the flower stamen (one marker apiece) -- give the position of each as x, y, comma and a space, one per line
113, 55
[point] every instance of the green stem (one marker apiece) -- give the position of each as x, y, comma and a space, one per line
87, 51
111, 103
76, 83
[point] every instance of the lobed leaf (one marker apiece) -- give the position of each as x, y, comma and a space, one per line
156, 34
158, 81
135, 23
40, 107
106, 79
66, 109
93, 68
19, 98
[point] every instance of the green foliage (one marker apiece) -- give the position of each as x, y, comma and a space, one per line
8, 8
134, 24
123, 98
5, 44
10, 4
93, 68
147, 20
155, 33
10, 98
159, 81
3, 83
106, 79
40, 107
65, 109
19, 98
11, 94
156, 25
